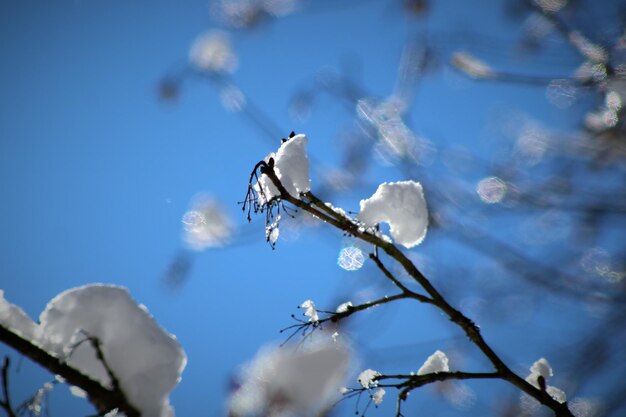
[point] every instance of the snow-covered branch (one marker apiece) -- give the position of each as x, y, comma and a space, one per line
270, 191
102, 398
97, 338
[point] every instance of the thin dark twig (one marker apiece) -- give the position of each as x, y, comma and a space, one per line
6, 402
335, 317
388, 274
97, 345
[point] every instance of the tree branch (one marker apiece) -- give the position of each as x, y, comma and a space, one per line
468, 326
102, 398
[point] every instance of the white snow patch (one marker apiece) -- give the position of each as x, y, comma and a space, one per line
437, 362
115, 413
366, 378
146, 360
556, 393
13, 318
337, 210
77, 391
310, 311
212, 51
378, 395
342, 308
290, 381
542, 368
402, 205
291, 166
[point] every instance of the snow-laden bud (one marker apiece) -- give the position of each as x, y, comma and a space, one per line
344, 307
291, 166
310, 311
367, 378
540, 371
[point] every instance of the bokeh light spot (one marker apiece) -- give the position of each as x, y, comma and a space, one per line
351, 258
491, 190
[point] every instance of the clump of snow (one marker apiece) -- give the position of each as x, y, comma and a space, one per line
402, 205
378, 395
310, 311
206, 224
437, 362
272, 231
146, 360
337, 210
13, 318
556, 393
367, 378
212, 51
291, 166
290, 381
342, 308
542, 368
77, 391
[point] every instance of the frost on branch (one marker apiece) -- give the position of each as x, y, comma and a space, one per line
402, 205
290, 381
540, 371
145, 360
437, 362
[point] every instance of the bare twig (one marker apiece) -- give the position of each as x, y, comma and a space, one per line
6, 401
405, 290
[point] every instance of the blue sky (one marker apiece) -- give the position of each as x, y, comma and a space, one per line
96, 172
